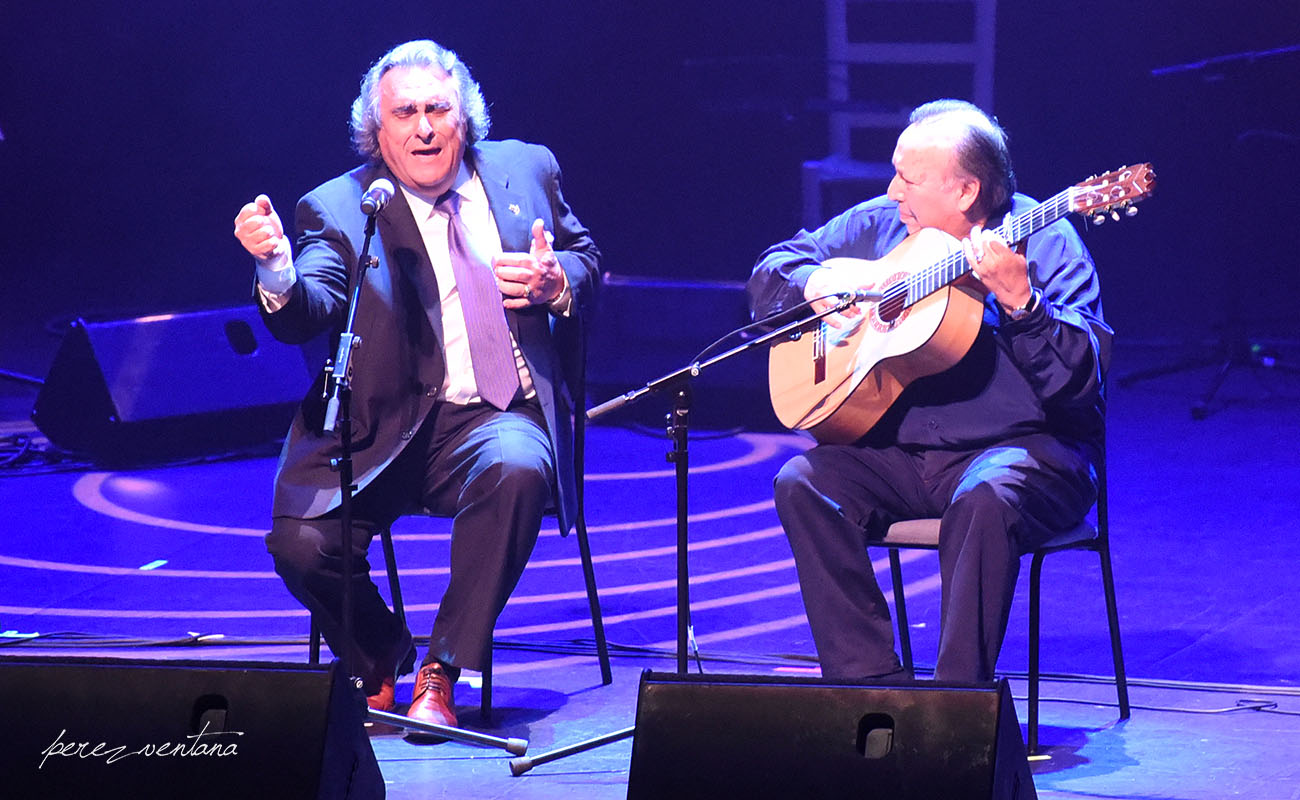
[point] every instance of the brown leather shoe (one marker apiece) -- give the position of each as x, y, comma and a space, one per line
432, 702
384, 699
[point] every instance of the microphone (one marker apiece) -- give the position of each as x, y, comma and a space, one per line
860, 296
377, 196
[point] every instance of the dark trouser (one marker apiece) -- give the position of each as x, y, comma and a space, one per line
493, 473
995, 504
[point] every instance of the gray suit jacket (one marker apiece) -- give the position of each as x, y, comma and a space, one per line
399, 369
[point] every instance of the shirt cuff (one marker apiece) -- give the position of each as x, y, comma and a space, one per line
275, 277
562, 306
1031, 308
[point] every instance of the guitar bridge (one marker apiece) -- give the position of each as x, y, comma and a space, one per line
819, 353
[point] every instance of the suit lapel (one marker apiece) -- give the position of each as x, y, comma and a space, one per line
403, 246
511, 209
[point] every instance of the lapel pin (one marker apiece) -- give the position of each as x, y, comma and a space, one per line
514, 209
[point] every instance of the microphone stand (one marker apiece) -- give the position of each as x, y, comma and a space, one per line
679, 423
338, 417
678, 428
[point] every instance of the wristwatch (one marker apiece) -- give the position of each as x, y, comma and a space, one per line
1015, 314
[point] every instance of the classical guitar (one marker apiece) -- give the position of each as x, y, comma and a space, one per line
838, 383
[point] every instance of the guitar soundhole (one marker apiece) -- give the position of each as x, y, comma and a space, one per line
891, 308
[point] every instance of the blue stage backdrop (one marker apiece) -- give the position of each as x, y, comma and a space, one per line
133, 132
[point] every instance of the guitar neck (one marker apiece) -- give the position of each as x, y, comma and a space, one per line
933, 278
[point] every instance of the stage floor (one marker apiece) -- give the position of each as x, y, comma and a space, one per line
167, 562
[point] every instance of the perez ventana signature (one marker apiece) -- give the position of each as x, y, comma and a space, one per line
194, 746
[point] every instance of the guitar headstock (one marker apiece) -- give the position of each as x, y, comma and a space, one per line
1116, 191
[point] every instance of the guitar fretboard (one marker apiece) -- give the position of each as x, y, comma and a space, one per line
931, 279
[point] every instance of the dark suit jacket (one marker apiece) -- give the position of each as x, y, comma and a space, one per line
399, 368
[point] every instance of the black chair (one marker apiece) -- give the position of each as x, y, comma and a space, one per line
923, 534
577, 345
485, 700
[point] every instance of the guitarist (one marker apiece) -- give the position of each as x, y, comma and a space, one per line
1003, 446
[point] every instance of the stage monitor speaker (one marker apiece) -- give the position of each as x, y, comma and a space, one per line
634, 341
110, 728
170, 385
750, 736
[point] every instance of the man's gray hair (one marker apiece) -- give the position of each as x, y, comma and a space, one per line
981, 153
366, 120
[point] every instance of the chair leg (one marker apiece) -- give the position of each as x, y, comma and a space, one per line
1035, 574
313, 643
485, 696
900, 608
593, 600
580, 523
394, 585
1112, 616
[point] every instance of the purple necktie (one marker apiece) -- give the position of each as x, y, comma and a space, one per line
495, 371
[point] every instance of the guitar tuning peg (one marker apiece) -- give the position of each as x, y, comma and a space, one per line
1114, 215
1131, 211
